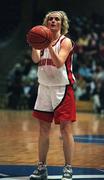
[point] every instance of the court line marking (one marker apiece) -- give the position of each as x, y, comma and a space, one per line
79, 176
59, 177
90, 138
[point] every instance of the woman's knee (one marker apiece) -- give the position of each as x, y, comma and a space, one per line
45, 128
66, 128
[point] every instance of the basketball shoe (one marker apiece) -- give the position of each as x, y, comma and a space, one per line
67, 173
40, 173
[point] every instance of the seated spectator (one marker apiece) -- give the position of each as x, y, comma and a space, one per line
85, 71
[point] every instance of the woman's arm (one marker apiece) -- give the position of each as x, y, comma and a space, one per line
59, 59
35, 55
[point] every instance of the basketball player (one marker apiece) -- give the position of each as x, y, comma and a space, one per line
55, 100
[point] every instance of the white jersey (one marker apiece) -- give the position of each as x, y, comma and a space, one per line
49, 74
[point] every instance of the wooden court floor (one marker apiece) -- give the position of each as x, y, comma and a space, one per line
19, 140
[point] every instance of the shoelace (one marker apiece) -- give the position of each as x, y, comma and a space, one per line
35, 172
67, 172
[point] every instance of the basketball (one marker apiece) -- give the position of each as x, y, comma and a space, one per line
39, 37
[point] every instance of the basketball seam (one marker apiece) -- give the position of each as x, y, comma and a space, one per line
45, 39
36, 42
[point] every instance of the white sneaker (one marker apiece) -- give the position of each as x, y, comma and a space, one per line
67, 173
40, 173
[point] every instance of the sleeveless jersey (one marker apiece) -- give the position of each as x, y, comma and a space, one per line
49, 74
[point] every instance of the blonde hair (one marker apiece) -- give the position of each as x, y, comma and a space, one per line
64, 21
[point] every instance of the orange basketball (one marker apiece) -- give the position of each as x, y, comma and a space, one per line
39, 37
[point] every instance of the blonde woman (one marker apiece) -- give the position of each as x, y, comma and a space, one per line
55, 100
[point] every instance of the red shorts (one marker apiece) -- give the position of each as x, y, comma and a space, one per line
65, 110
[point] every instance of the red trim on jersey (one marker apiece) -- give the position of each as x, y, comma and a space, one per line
62, 39
68, 64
